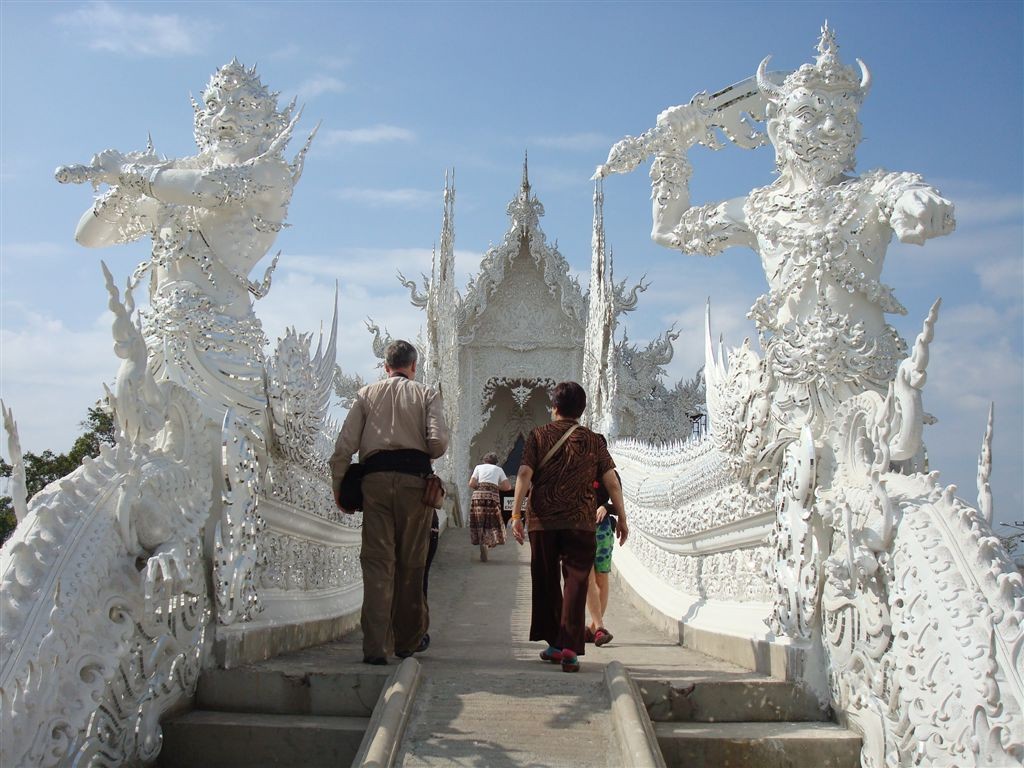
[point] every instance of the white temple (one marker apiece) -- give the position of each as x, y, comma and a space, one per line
522, 326
802, 536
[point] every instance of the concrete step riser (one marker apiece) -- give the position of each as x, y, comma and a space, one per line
233, 741
764, 745
729, 701
274, 692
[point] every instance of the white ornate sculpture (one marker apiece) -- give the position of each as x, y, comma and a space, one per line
18, 485
95, 650
519, 328
212, 217
107, 620
870, 562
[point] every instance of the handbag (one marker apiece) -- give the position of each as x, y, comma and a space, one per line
350, 496
433, 492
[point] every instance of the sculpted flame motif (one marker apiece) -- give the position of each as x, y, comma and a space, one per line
900, 585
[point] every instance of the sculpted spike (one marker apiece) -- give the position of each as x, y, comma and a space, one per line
985, 506
709, 351
17, 486
907, 388
773, 92
865, 78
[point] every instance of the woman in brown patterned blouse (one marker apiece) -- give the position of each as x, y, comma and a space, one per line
560, 480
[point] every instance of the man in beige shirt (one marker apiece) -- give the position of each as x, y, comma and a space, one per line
397, 425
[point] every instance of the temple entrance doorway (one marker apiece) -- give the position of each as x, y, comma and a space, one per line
512, 408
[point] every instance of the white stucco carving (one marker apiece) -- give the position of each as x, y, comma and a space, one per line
105, 579
17, 484
869, 561
523, 325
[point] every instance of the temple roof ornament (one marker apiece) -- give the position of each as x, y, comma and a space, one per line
524, 212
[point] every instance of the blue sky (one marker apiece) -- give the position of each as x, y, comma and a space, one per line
406, 90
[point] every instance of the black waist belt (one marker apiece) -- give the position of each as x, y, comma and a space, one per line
408, 461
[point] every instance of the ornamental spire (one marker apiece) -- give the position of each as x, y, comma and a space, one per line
526, 173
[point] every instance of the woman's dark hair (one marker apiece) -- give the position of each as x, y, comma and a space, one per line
570, 399
490, 458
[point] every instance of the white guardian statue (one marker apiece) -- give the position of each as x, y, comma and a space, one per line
821, 233
209, 520
212, 217
907, 611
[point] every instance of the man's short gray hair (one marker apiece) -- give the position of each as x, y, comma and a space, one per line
399, 354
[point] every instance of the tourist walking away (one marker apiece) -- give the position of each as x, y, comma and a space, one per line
397, 425
561, 461
486, 525
611, 522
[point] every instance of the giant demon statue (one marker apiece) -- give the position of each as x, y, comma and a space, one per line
821, 234
212, 217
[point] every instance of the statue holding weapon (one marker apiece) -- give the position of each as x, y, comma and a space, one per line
821, 233
211, 217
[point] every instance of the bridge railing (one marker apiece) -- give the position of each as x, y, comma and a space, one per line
875, 586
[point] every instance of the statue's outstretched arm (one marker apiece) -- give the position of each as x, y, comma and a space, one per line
228, 185
915, 210
117, 216
707, 229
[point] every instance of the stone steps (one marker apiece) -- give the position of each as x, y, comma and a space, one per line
246, 739
710, 700
744, 720
760, 744
289, 711
276, 689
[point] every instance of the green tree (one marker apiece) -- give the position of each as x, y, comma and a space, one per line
43, 468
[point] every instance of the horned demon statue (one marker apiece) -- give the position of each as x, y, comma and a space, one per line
212, 217
821, 234
920, 656
105, 583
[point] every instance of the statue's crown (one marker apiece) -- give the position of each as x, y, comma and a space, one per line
827, 73
235, 77
261, 114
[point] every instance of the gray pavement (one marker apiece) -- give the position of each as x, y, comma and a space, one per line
488, 700
485, 698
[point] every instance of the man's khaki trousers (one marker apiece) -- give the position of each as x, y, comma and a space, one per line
396, 535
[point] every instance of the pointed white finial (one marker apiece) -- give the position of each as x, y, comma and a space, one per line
17, 486
985, 506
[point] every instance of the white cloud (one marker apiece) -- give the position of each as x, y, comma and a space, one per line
116, 29
303, 297
319, 84
287, 52
988, 209
376, 134
379, 197
43, 249
368, 267
578, 142
1002, 276
52, 374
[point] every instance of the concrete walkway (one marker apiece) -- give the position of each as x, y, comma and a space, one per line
485, 698
488, 700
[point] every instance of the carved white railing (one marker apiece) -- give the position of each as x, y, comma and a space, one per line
698, 536
840, 552
104, 602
